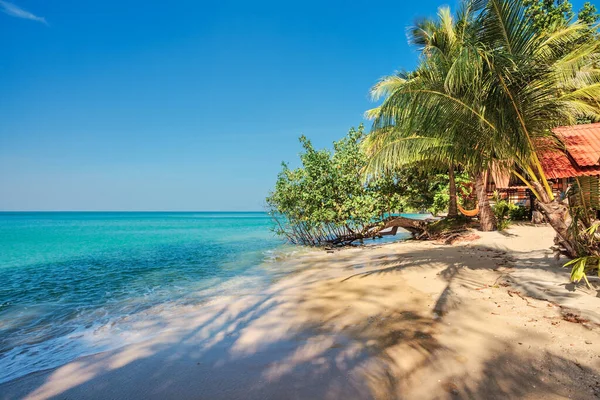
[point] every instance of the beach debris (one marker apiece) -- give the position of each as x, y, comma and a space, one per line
450, 387
516, 293
455, 237
574, 318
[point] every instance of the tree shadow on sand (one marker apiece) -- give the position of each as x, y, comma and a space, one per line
315, 336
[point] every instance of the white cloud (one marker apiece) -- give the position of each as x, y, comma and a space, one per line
16, 11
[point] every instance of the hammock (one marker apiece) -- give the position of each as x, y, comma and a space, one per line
469, 213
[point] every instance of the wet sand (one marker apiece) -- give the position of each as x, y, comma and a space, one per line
494, 318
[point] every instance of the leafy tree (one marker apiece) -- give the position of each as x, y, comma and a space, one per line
553, 14
548, 14
326, 199
425, 188
588, 14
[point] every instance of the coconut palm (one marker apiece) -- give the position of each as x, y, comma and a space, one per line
443, 43
506, 86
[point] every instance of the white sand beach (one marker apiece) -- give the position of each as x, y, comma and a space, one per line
493, 318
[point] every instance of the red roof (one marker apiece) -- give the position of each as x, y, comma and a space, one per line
582, 142
582, 155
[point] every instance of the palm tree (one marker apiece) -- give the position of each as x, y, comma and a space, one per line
500, 94
538, 81
444, 46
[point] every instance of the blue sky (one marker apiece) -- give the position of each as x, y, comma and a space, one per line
185, 105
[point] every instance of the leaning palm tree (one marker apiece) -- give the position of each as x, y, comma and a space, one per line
444, 46
506, 86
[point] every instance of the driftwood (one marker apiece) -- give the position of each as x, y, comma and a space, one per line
415, 226
333, 235
418, 228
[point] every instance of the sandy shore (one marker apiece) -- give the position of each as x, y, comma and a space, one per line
495, 318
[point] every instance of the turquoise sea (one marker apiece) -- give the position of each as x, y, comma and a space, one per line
74, 283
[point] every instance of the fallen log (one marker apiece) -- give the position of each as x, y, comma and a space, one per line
418, 228
415, 226
329, 235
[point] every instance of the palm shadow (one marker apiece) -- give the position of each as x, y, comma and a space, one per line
301, 340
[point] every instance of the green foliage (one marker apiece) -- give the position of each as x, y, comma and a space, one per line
440, 202
518, 213
440, 188
424, 188
588, 14
549, 14
587, 243
327, 196
583, 265
554, 14
507, 212
501, 210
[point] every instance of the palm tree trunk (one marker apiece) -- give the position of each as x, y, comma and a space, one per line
487, 220
558, 216
452, 208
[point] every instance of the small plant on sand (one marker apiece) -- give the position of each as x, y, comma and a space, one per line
588, 244
581, 266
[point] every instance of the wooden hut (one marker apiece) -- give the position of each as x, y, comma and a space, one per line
574, 169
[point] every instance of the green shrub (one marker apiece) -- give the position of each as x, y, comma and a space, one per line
501, 210
327, 198
506, 212
518, 213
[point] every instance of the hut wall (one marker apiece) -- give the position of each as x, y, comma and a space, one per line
586, 192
